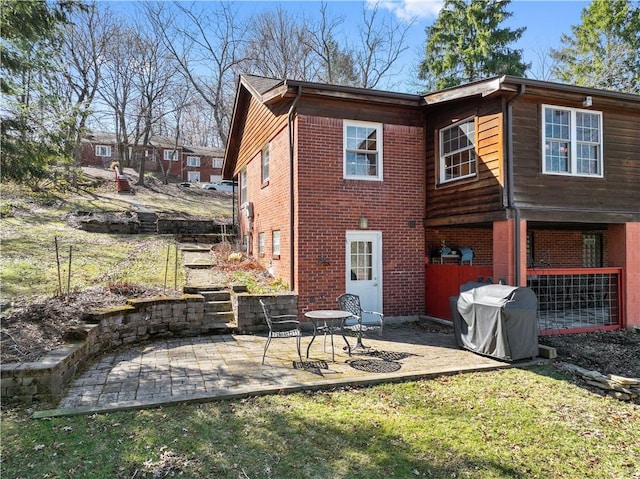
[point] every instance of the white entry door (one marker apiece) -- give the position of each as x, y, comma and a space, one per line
193, 176
364, 268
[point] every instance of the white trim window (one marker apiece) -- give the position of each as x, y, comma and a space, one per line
103, 150
275, 242
261, 243
193, 161
264, 163
170, 155
571, 141
362, 150
458, 157
243, 186
216, 162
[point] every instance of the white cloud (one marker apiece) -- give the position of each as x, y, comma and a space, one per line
407, 10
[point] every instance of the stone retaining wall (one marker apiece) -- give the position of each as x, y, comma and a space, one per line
139, 320
128, 222
169, 225
249, 314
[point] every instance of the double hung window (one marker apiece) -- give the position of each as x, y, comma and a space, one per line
264, 160
193, 161
572, 141
170, 155
103, 150
362, 150
243, 186
275, 242
458, 151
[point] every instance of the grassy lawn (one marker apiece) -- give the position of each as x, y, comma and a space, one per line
31, 222
503, 424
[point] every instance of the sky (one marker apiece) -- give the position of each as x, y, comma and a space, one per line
545, 22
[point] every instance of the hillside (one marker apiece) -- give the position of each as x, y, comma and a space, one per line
37, 239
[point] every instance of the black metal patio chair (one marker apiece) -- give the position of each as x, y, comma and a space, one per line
361, 321
281, 326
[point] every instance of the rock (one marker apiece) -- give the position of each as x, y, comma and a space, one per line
624, 381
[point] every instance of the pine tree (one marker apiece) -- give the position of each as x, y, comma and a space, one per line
29, 51
466, 43
604, 50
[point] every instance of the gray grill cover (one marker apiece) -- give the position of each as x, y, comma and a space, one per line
498, 320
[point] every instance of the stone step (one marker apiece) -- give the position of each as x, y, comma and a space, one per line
216, 296
219, 327
194, 289
219, 316
198, 265
218, 306
191, 247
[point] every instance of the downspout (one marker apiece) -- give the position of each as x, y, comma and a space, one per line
511, 200
292, 190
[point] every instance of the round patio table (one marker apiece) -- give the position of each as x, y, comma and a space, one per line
328, 321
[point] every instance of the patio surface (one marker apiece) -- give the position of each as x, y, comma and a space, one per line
210, 368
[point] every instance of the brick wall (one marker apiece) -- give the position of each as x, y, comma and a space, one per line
271, 207
479, 239
562, 249
551, 248
328, 206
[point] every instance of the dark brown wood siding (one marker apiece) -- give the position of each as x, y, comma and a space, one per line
613, 198
473, 200
383, 113
263, 123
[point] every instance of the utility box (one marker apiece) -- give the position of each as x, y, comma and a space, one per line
496, 320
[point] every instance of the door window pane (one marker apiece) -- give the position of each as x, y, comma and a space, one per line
361, 261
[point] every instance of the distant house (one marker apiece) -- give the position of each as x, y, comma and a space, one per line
401, 198
184, 163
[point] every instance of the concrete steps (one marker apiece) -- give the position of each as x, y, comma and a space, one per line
148, 222
218, 310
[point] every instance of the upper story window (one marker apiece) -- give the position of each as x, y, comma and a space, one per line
572, 141
193, 161
458, 151
264, 162
216, 162
243, 186
170, 155
103, 150
362, 150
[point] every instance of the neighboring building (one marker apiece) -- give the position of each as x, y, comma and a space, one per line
528, 182
184, 163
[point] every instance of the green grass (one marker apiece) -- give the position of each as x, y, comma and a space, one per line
503, 424
31, 222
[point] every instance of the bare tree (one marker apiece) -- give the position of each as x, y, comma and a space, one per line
335, 64
279, 46
154, 72
382, 41
83, 52
117, 89
545, 64
206, 43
